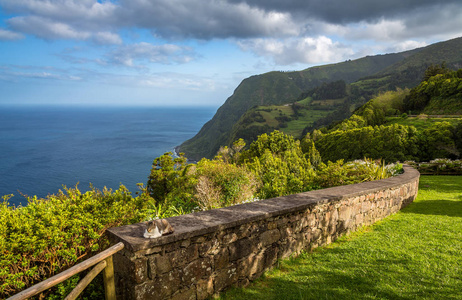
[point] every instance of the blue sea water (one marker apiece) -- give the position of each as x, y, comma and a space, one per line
44, 148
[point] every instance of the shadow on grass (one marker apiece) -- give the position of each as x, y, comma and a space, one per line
333, 285
435, 207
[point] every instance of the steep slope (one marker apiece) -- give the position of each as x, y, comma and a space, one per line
365, 77
408, 72
276, 88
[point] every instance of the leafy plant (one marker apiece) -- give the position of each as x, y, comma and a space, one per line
49, 235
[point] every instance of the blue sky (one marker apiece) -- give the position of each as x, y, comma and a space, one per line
193, 52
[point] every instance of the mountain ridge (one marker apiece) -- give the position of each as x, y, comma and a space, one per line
369, 74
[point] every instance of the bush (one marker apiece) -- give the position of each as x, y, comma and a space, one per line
279, 163
222, 184
340, 173
208, 184
50, 235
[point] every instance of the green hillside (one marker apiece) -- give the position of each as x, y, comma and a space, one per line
381, 129
275, 88
364, 78
296, 117
408, 72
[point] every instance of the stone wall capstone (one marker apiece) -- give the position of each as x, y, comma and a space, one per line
213, 250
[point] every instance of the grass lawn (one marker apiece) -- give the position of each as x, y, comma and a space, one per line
414, 254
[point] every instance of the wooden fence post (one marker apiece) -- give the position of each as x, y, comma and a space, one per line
109, 281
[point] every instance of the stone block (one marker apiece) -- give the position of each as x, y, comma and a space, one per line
269, 237
186, 294
270, 257
196, 270
359, 220
184, 255
160, 264
286, 232
225, 278
134, 269
230, 238
163, 286
209, 248
241, 248
146, 291
185, 243
171, 247
365, 206
311, 219
258, 229
221, 259
204, 288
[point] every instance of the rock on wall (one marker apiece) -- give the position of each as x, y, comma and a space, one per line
213, 250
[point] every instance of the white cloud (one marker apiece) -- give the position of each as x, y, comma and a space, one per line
302, 50
205, 20
127, 55
288, 32
10, 35
408, 45
383, 30
84, 13
17, 73
46, 28
106, 38
50, 30
176, 81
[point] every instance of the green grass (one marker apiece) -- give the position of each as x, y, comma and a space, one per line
414, 254
305, 101
295, 127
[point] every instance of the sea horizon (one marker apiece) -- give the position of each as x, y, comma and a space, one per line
46, 147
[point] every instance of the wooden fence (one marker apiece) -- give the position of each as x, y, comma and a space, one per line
103, 262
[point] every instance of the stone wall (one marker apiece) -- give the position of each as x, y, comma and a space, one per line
213, 250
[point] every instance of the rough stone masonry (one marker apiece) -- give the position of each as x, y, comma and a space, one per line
216, 249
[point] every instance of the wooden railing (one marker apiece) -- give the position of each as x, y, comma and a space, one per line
103, 262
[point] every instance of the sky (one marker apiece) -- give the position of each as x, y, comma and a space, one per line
194, 52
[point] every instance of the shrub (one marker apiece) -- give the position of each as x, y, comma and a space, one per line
222, 184
208, 184
279, 163
49, 235
340, 173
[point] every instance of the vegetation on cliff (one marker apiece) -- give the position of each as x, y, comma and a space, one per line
374, 131
364, 79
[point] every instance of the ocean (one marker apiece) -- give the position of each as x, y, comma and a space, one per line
44, 148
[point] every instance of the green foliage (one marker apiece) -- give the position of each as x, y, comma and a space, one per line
373, 112
331, 90
438, 94
49, 235
223, 184
180, 188
283, 174
340, 173
171, 179
458, 137
437, 142
391, 143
